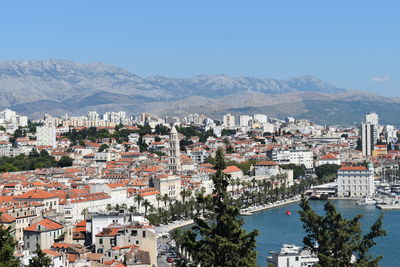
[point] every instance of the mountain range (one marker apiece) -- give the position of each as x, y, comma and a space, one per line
60, 86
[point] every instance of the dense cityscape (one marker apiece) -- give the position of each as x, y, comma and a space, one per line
111, 189
199, 133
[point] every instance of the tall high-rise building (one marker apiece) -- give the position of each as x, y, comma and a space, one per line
367, 138
228, 120
174, 160
373, 119
46, 135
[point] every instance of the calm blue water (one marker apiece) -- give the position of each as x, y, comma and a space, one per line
276, 228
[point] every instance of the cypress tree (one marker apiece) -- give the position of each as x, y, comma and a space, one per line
218, 239
338, 241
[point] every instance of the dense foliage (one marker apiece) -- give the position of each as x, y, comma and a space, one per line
327, 172
195, 131
338, 241
298, 171
33, 161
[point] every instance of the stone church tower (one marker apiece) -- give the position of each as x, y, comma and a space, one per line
174, 160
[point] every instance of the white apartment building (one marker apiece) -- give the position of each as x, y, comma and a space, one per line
293, 256
391, 134
244, 120
228, 120
298, 157
168, 185
261, 118
355, 182
10, 120
46, 136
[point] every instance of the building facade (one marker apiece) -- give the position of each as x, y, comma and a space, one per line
355, 182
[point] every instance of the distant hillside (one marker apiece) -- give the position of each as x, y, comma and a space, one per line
59, 86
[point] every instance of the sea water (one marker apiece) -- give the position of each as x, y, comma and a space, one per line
276, 228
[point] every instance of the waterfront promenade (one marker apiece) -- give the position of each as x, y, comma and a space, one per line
251, 210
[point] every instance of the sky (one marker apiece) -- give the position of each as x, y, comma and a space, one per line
351, 44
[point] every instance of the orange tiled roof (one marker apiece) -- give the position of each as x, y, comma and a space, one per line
232, 169
36, 194
51, 252
46, 223
329, 156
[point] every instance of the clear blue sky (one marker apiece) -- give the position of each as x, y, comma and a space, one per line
353, 44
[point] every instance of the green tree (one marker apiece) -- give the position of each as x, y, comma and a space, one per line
65, 161
8, 167
44, 154
7, 247
138, 199
337, 240
326, 169
103, 147
41, 259
218, 239
298, 171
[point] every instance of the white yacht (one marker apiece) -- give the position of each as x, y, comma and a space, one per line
367, 201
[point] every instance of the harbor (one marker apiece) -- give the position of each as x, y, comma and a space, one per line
276, 228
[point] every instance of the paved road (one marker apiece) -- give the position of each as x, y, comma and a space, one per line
162, 260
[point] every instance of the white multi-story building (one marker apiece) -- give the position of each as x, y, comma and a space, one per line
373, 119
10, 120
391, 134
293, 256
298, 157
367, 138
46, 135
93, 116
244, 120
261, 118
228, 120
355, 182
169, 185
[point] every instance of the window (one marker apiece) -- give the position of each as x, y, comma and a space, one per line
144, 234
297, 258
133, 233
101, 241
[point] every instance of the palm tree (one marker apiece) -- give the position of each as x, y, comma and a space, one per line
238, 183
253, 183
165, 198
158, 198
185, 193
124, 206
146, 204
132, 209
138, 199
